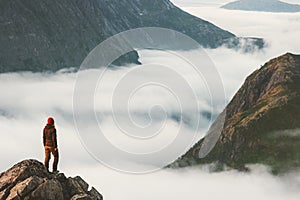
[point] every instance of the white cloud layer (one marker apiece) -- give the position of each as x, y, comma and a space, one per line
193, 184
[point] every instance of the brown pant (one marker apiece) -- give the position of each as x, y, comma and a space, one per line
48, 151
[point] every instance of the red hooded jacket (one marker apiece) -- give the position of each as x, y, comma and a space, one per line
49, 136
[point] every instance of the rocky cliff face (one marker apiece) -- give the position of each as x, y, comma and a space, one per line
262, 121
29, 180
44, 35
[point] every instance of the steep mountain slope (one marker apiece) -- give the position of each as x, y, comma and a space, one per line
262, 123
262, 5
29, 180
41, 35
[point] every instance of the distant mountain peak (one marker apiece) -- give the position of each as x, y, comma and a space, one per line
262, 5
29, 180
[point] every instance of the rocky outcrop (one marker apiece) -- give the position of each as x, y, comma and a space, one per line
47, 35
262, 121
29, 180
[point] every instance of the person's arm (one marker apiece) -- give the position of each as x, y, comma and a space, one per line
44, 137
54, 139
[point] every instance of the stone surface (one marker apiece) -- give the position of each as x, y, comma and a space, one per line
84, 185
4, 193
74, 187
29, 180
81, 197
95, 194
50, 189
22, 171
25, 187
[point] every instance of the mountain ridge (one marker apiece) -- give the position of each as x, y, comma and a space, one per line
44, 35
262, 121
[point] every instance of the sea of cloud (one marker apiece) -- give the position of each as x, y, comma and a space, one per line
27, 99
193, 183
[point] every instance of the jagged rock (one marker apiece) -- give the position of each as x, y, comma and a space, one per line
4, 193
25, 187
22, 171
261, 121
50, 189
81, 197
95, 194
64, 183
74, 187
82, 183
29, 180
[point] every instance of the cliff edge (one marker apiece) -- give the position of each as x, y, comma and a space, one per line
29, 180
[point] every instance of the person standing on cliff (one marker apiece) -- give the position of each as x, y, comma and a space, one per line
50, 144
